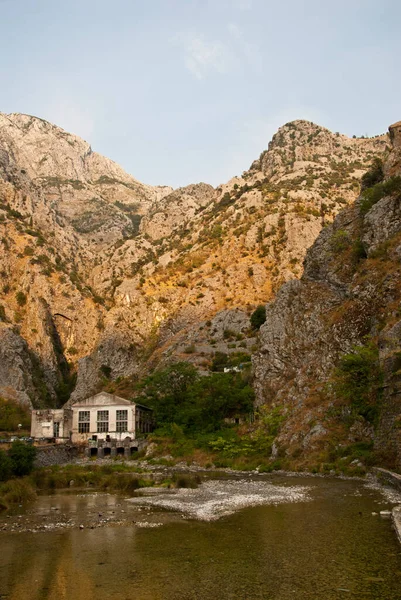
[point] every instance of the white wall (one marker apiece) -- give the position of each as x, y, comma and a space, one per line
83, 437
42, 424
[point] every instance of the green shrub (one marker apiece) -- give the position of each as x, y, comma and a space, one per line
358, 380
340, 241
258, 317
358, 250
180, 396
16, 491
12, 414
220, 360
106, 371
374, 175
3, 316
21, 298
22, 457
5, 466
372, 195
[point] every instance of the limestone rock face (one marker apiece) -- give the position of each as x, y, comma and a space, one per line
103, 276
349, 292
393, 165
16, 368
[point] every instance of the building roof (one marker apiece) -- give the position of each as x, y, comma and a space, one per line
105, 399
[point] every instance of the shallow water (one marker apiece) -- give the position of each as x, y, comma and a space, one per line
324, 546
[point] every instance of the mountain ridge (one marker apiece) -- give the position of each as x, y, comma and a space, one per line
121, 275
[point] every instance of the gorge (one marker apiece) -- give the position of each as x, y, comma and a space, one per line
104, 279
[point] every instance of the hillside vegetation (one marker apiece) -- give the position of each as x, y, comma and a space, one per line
103, 278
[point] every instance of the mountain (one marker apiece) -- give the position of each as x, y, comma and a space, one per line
103, 277
330, 349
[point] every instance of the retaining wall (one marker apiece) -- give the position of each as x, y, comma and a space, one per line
55, 455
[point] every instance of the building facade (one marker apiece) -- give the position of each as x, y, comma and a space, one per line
103, 418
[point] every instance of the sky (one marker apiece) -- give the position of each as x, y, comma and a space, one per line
182, 91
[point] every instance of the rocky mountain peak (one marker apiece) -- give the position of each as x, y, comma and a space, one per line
103, 274
342, 314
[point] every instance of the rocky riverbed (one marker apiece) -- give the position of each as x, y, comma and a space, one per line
218, 496
215, 499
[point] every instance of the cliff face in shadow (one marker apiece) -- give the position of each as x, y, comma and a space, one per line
330, 348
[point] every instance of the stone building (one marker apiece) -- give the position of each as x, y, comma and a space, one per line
107, 423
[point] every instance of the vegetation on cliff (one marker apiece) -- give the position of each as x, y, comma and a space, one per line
180, 396
99, 270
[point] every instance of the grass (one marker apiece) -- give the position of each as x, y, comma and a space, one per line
16, 491
118, 478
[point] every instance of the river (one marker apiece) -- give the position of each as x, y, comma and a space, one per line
243, 538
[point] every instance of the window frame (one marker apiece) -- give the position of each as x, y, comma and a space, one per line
84, 421
122, 420
102, 421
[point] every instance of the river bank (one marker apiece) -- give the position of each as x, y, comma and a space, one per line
116, 492
248, 535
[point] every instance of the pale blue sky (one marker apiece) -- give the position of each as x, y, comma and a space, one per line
181, 91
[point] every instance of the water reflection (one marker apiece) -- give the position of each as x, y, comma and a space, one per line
329, 548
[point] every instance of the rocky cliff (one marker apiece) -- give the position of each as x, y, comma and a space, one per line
330, 348
103, 276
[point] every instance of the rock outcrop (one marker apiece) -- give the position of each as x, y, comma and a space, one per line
103, 275
348, 296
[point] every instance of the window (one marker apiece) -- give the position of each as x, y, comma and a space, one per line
102, 421
122, 421
83, 421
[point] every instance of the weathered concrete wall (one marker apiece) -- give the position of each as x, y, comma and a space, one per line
388, 478
43, 423
55, 455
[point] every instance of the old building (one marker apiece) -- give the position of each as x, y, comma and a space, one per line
104, 421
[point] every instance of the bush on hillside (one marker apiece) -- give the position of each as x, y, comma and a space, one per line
22, 457
358, 380
372, 195
21, 298
258, 317
374, 175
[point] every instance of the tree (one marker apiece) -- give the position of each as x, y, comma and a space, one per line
178, 394
374, 175
5, 466
258, 317
220, 360
166, 390
358, 379
220, 396
22, 457
12, 414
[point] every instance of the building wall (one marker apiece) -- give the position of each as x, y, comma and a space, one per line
63, 424
43, 423
93, 422
143, 420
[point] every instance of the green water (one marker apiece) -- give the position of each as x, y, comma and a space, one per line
328, 548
